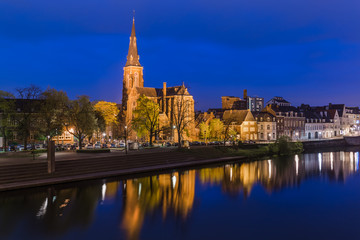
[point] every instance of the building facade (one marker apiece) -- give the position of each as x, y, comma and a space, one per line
243, 122
168, 98
266, 121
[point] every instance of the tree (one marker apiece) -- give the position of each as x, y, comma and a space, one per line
28, 104
146, 117
229, 130
100, 123
6, 116
106, 115
216, 128
81, 116
204, 131
182, 116
109, 111
53, 112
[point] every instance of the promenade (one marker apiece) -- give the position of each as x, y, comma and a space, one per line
16, 173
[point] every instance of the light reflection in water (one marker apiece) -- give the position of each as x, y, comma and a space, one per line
171, 194
269, 161
297, 164
103, 191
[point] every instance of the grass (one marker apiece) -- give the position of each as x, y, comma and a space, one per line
221, 151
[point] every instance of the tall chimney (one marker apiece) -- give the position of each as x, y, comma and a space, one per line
164, 97
245, 94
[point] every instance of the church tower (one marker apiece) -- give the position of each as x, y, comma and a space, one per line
133, 78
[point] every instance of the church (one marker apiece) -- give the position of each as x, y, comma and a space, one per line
166, 97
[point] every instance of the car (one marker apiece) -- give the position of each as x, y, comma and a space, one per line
19, 147
112, 145
7, 149
97, 146
89, 146
121, 145
38, 146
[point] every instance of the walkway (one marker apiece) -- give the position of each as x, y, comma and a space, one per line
76, 167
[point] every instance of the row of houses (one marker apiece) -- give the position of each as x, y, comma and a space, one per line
279, 118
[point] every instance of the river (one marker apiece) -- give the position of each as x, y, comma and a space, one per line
307, 196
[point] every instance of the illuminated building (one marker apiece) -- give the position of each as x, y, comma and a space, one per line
166, 97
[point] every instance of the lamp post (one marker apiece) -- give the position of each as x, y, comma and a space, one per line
173, 133
125, 139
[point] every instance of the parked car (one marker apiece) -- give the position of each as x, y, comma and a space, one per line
7, 149
89, 146
112, 145
121, 145
97, 146
19, 147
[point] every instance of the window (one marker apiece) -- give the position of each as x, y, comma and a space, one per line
268, 127
252, 129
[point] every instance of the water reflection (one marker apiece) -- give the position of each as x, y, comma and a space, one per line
279, 173
168, 192
57, 211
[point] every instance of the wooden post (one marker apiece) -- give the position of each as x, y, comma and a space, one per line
51, 156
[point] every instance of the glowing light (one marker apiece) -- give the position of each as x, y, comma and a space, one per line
173, 179
342, 156
42, 210
103, 191
320, 160
352, 160
269, 161
297, 164
332, 161
357, 161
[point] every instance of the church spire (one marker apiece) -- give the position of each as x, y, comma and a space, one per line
133, 56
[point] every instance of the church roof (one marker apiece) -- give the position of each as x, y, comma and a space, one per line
173, 91
158, 92
238, 116
133, 56
148, 92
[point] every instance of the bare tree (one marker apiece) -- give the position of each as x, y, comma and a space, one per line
183, 116
6, 116
28, 106
228, 128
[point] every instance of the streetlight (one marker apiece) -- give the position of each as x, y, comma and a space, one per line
125, 139
173, 133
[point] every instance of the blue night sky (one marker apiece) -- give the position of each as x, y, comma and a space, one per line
307, 51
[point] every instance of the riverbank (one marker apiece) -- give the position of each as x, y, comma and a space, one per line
34, 174
85, 166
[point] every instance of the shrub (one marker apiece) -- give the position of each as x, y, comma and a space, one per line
39, 151
104, 150
283, 146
